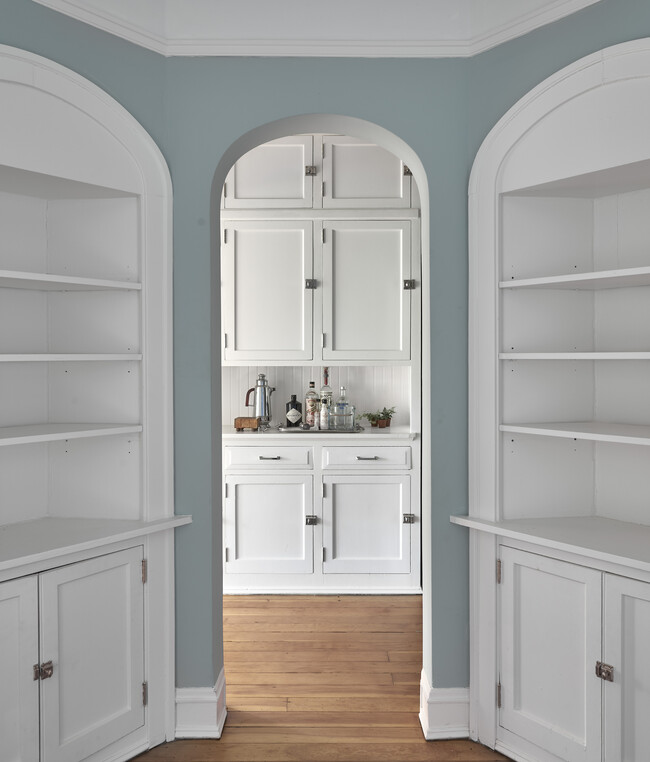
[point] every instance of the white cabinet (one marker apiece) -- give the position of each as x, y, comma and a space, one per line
550, 643
366, 302
75, 634
344, 293
273, 175
267, 305
269, 524
318, 172
320, 517
366, 524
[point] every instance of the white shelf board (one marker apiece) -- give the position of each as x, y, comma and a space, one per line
75, 357
49, 538
45, 282
597, 538
596, 431
574, 356
626, 278
50, 432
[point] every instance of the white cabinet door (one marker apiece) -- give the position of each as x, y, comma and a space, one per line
267, 308
359, 174
265, 524
625, 647
363, 524
366, 308
19, 721
272, 176
92, 629
550, 643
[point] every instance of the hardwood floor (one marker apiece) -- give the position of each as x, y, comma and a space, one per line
322, 679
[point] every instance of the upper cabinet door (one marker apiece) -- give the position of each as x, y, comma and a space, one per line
92, 630
358, 174
18, 655
366, 307
267, 306
272, 176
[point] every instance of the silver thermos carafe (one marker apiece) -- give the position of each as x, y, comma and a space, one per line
262, 399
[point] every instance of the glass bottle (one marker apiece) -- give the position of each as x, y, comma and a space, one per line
294, 412
325, 413
311, 404
341, 411
326, 391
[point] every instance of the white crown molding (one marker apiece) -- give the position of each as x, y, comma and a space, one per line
481, 37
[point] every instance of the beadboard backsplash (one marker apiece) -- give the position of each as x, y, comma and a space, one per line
369, 388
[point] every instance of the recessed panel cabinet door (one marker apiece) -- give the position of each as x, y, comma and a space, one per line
18, 655
550, 643
625, 647
366, 307
92, 630
363, 524
267, 304
359, 174
265, 524
272, 176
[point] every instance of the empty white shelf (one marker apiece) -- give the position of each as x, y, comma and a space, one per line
624, 278
50, 432
46, 282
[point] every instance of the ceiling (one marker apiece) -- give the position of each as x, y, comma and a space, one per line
360, 28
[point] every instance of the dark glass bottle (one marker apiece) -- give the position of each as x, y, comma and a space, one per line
294, 412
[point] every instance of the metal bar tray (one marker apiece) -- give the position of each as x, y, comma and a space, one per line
298, 430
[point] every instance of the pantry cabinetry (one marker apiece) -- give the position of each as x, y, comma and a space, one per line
321, 518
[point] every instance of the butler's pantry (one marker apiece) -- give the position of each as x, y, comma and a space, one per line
321, 290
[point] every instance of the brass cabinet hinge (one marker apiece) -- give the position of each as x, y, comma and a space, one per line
225, 235
499, 697
144, 570
498, 571
145, 694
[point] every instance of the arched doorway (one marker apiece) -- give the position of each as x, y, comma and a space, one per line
336, 124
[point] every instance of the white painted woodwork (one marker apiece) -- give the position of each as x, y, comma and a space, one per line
265, 529
356, 457
626, 701
86, 465
366, 309
266, 309
92, 628
559, 411
358, 174
269, 457
272, 176
550, 643
19, 720
363, 524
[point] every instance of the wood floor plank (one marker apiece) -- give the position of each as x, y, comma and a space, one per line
354, 704
336, 734
315, 666
240, 654
324, 690
322, 719
315, 680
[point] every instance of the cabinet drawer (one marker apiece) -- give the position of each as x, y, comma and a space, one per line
366, 457
268, 457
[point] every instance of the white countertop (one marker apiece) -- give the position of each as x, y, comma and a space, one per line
369, 434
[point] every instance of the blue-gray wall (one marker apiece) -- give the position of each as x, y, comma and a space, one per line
195, 109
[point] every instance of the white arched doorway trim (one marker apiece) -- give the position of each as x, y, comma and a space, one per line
591, 108
358, 128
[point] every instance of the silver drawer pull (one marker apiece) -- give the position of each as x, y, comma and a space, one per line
269, 457
371, 457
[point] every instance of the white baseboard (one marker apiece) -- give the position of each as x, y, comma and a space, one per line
201, 712
444, 712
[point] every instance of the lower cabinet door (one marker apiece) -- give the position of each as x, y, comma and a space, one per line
625, 648
550, 643
364, 529
266, 527
92, 629
18, 655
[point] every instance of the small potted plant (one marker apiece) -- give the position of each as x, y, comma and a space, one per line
385, 415
372, 418
380, 418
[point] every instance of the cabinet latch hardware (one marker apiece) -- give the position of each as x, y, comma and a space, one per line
409, 518
310, 170
269, 457
145, 694
409, 284
310, 283
407, 171
43, 671
311, 520
605, 672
